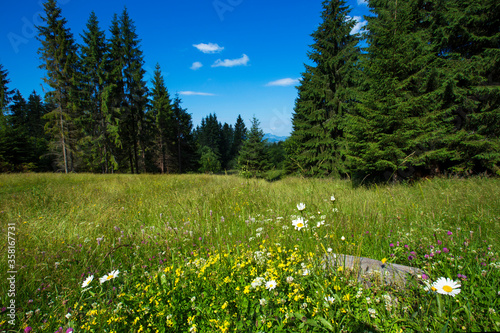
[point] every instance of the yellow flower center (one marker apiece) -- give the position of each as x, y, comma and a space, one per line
300, 225
448, 289
109, 277
433, 288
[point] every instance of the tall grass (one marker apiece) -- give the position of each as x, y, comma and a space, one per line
69, 227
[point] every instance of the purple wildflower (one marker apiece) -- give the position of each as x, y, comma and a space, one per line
445, 250
450, 233
28, 329
391, 245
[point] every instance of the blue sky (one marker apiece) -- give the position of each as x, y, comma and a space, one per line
226, 57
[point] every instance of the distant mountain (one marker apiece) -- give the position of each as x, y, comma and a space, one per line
271, 138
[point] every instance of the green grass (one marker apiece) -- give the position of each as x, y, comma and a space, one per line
188, 248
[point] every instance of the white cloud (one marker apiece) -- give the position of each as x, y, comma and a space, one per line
195, 93
208, 48
362, 2
360, 23
196, 65
283, 82
232, 62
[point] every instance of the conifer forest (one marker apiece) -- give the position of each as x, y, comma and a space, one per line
415, 94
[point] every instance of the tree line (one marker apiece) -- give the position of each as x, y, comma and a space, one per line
98, 115
422, 98
416, 94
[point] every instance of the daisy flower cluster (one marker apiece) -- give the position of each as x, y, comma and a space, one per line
102, 279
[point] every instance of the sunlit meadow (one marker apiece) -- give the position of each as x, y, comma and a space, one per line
204, 253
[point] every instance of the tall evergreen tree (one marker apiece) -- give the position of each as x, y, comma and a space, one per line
94, 72
18, 116
113, 99
36, 109
15, 150
239, 137
253, 158
184, 141
5, 93
209, 133
419, 100
135, 92
468, 40
59, 59
227, 138
161, 111
326, 91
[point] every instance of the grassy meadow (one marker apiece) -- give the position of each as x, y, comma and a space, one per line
206, 253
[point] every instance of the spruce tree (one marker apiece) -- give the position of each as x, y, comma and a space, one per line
387, 131
239, 137
253, 158
161, 111
94, 72
15, 150
227, 138
113, 98
36, 109
209, 134
185, 144
469, 46
59, 59
325, 94
135, 93
5, 93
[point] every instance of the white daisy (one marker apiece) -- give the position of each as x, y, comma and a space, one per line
257, 282
87, 281
109, 276
270, 285
446, 286
329, 299
301, 206
299, 223
332, 198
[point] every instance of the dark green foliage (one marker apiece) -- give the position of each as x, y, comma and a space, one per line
209, 161
209, 133
59, 59
163, 118
426, 86
23, 145
135, 93
325, 93
239, 136
184, 140
98, 122
253, 158
5, 93
223, 140
422, 100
